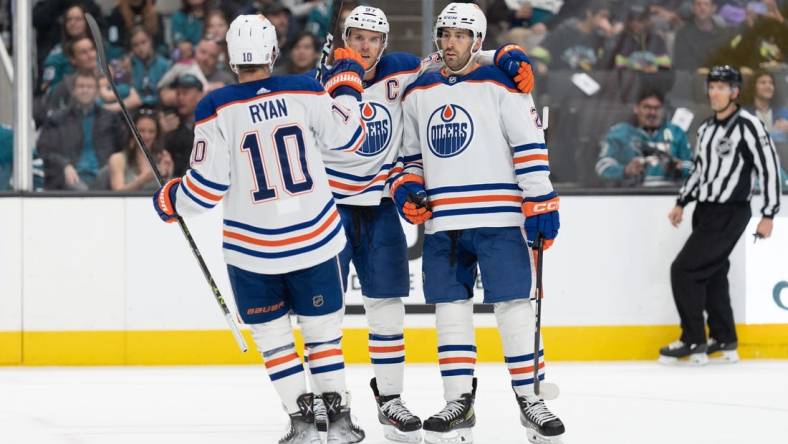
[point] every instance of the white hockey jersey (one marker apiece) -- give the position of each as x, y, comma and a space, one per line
363, 179
257, 146
478, 143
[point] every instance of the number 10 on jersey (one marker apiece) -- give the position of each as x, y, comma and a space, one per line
290, 156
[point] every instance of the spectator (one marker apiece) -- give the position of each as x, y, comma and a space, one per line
187, 23
699, 40
640, 49
147, 67
579, 44
207, 58
129, 169
769, 108
130, 14
76, 142
7, 162
58, 62
279, 16
189, 91
82, 56
49, 21
120, 70
647, 151
302, 57
762, 41
216, 26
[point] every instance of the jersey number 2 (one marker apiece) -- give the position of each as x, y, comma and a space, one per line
292, 165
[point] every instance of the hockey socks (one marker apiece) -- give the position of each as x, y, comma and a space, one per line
386, 342
456, 347
516, 326
274, 339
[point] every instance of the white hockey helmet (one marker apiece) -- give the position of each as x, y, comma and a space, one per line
251, 40
370, 19
463, 16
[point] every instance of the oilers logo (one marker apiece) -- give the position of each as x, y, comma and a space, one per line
378, 121
449, 130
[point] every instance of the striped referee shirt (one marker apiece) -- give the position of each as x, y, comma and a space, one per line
730, 155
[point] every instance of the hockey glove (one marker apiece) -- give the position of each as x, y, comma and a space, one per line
411, 199
541, 217
164, 200
512, 60
346, 74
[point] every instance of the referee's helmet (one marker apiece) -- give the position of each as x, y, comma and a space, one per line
724, 73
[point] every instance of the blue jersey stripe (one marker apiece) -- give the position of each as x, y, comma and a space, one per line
522, 358
283, 230
446, 348
530, 146
196, 199
327, 368
412, 158
366, 190
476, 187
398, 360
531, 169
521, 382
484, 210
348, 176
374, 337
306, 249
208, 183
458, 372
315, 344
287, 372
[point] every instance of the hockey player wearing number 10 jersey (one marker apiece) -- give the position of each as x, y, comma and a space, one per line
474, 158
376, 241
257, 147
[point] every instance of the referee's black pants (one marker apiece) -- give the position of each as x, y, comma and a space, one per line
699, 274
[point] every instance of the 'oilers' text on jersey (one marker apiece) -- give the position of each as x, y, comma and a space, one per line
265, 138
479, 145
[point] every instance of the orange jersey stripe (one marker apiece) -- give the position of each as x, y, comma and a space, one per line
530, 158
393, 348
325, 354
460, 360
344, 186
281, 360
281, 242
521, 370
475, 199
201, 192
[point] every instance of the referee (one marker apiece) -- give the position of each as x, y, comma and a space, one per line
733, 148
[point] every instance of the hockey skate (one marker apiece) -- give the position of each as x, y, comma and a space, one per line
341, 428
302, 424
727, 351
454, 424
321, 417
695, 353
399, 424
542, 426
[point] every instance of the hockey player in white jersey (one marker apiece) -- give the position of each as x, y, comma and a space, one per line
257, 148
376, 241
475, 163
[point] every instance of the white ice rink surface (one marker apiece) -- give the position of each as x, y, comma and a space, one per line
600, 403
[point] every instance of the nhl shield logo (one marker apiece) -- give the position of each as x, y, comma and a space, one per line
724, 146
317, 301
449, 130
378, 121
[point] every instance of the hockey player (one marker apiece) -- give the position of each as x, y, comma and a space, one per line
377, 244
475, 163
257, 147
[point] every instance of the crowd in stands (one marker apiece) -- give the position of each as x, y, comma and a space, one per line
623, 79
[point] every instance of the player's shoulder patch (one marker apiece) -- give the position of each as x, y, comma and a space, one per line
397, 62
492, 74
296, 82
206, 107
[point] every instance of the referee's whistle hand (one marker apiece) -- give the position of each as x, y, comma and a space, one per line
765, 227
675, 215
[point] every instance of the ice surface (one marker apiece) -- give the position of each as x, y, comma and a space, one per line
600, 403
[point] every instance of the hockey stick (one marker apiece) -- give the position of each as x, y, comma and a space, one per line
545, 390
98, 40
329, 43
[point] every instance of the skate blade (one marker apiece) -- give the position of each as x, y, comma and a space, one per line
693, 360
393, 434
724, 357
536, 438
459, 436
